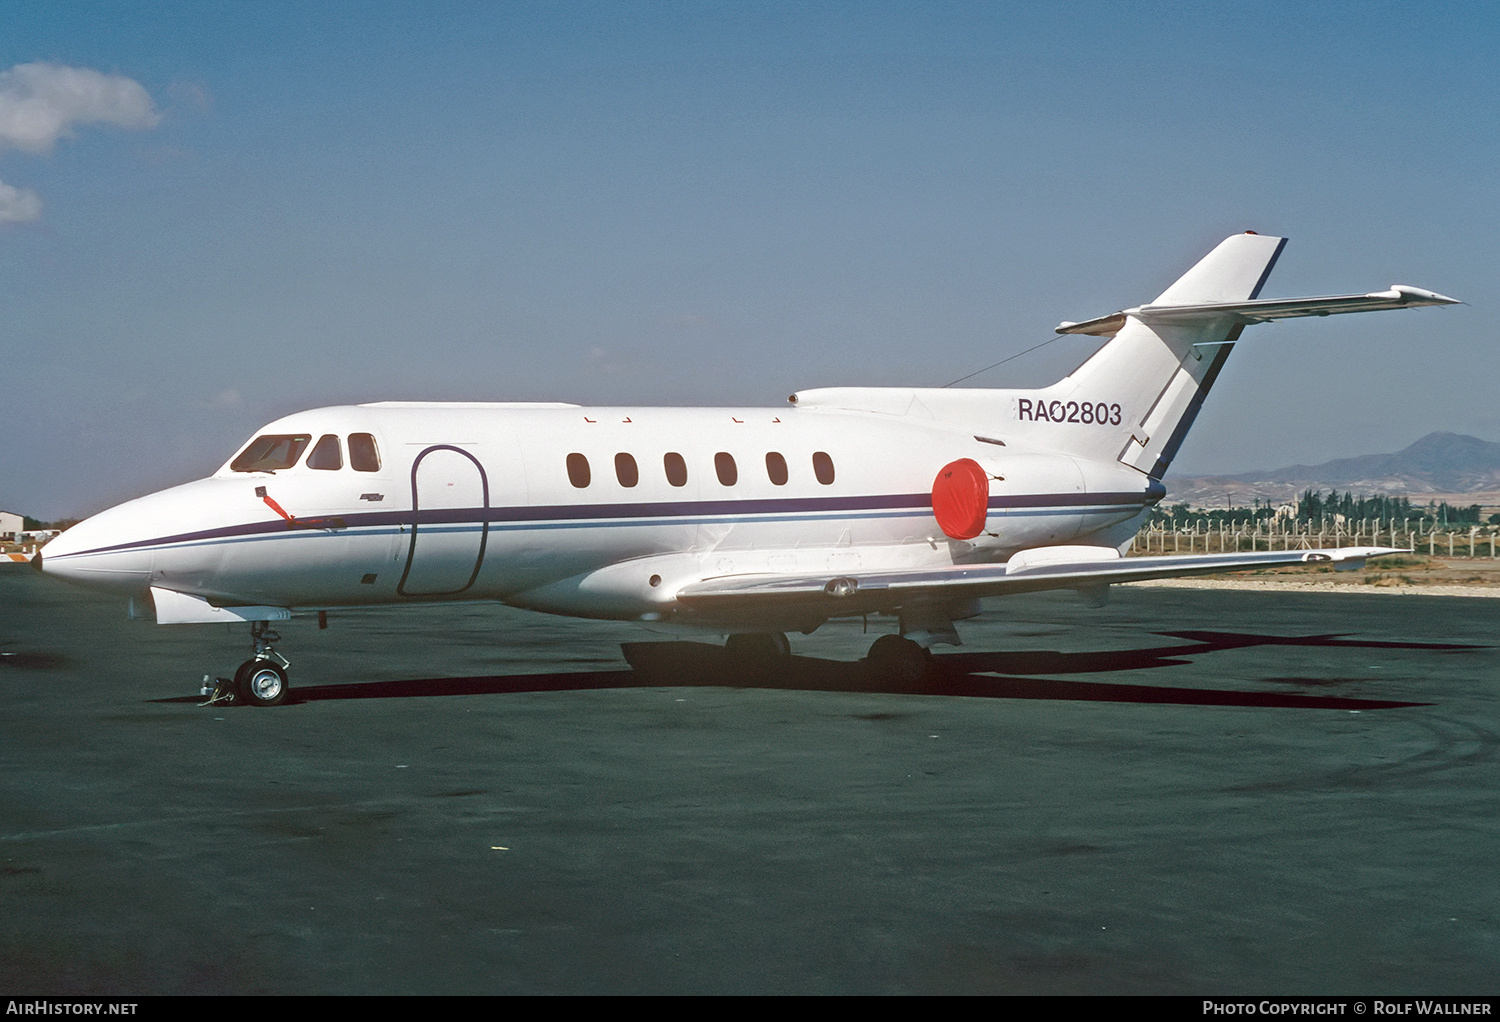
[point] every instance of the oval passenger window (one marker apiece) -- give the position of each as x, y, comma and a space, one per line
625, 470
776, 468
724, 465
578, 470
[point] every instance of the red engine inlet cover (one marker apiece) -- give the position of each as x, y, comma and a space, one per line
960, 498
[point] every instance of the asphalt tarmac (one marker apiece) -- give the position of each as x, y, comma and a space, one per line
1185, 792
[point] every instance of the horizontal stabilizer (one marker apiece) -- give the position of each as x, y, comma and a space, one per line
1400, 296
1028, 571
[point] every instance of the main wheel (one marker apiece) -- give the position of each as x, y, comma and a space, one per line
899, 659
759, 645
261, 682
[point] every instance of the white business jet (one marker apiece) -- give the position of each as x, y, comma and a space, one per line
750, 522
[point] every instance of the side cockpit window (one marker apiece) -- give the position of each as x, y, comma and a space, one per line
326, 455
270, 453
363, 454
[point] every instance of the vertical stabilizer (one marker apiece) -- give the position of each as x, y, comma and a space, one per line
1135, 398
1234, 271
1152, 377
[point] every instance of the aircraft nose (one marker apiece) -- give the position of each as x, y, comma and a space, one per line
100, 553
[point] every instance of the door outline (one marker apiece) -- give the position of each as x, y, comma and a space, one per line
484, 533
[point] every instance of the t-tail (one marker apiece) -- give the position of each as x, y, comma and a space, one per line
1164, 356
1157, 373
1136, 398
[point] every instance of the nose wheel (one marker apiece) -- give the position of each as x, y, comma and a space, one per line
262, 680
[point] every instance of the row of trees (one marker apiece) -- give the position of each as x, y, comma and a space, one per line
1313, 508
1182, 516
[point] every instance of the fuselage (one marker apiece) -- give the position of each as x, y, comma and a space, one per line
599, 512
916, 503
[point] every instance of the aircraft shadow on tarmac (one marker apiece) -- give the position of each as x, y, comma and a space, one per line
1002, 675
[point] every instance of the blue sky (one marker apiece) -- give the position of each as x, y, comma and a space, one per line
706, 203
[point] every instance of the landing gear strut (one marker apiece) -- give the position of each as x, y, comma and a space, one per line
262, 680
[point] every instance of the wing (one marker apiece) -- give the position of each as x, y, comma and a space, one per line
1085, 568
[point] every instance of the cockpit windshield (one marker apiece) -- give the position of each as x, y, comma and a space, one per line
269, 453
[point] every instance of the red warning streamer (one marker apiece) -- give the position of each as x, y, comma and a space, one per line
277, 508
260, 491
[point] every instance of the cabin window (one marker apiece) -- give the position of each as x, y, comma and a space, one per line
269, 453
776, 468
676, 469
363, 455
823, 468
326, 454
626, 471
578, 470
724, 465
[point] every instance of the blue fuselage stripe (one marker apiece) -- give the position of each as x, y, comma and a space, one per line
678, 513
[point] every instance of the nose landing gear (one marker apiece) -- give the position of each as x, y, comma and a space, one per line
261, 680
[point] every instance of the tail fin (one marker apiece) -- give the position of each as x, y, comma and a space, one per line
1152, 377
1234, 271
1134, 400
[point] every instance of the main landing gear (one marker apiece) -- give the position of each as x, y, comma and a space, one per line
899, 659
759, 645
261, 680
895, 658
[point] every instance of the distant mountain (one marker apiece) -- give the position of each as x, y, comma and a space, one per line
1443, 464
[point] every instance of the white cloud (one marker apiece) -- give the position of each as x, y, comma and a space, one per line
41, 103
18, 205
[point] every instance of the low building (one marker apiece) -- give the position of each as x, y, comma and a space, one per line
11, 526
